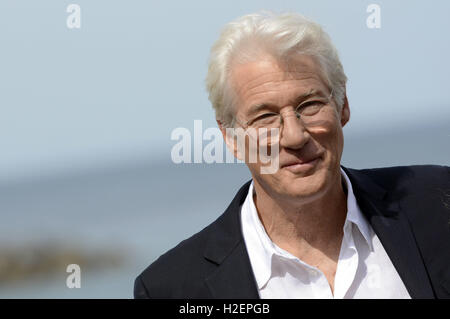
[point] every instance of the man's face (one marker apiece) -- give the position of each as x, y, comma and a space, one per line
309, 157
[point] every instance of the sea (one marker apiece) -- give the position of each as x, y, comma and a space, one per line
116, 220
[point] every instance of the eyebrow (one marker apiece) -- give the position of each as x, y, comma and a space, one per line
258, 107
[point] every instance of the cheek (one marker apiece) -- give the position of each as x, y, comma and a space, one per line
336, 145
330, 138
253, 167
267, 181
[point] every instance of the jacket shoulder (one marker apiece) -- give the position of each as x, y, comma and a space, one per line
424, 194
414, 178
181, 272
422, 191
176, 270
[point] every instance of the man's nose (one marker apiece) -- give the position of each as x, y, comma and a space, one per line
294, 134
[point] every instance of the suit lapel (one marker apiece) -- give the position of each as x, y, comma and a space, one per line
233, 277
394, 231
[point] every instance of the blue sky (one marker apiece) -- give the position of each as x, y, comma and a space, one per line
116, 88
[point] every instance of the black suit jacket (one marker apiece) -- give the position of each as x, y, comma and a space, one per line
408, 208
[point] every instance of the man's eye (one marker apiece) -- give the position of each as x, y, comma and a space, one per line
265, 117
310, 108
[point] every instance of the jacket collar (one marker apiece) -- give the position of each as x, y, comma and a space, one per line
384, 212
234, 277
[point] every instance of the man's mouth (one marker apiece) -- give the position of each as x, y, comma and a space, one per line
299, 166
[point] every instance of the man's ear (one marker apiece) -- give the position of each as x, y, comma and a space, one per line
345, 112
229, 138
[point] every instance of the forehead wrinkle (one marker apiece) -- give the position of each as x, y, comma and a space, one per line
282, 78
255, 79
305, 76
254, 95
257, 106
269, 65
262, 85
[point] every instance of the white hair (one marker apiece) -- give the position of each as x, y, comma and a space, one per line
283, 36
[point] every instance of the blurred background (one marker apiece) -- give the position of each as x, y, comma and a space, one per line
86, 116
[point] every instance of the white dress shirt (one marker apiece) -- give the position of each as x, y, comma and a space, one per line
364, 270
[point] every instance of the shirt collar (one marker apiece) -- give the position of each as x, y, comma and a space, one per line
354, 214
260, 247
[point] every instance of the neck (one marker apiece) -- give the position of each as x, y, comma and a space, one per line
305, 228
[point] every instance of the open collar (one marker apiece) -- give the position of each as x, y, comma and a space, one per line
263, 249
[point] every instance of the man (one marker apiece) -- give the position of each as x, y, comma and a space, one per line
312, 228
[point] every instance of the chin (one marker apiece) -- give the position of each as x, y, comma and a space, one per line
306, 186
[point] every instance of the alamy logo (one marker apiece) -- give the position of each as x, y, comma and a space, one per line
374, 19
250, 145
73, 20
74, 279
